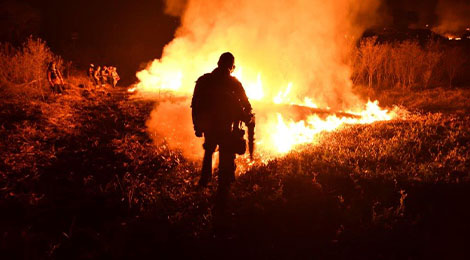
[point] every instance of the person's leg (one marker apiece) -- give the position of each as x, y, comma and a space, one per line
206, 171
226, 166
225, 178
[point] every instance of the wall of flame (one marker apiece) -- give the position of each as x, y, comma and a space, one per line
286, 52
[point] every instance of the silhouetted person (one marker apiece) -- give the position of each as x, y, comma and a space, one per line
219, 104
104, 76
55, 78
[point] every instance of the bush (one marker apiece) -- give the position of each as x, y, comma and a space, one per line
23, 70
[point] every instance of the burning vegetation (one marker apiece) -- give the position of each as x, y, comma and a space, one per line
101, 173
285, 71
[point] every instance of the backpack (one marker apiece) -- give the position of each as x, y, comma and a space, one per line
214, 105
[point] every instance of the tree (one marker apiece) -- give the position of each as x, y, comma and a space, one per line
23, 70
370, 57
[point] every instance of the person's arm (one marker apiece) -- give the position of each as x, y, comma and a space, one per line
195, 107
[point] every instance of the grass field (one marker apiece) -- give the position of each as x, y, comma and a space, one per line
81, 179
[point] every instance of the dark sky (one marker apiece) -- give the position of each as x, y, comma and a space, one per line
403, 13
119, 32
130, 33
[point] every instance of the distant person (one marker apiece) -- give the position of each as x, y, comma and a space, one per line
114, 77
219, 105
91, 74
97, 76
56, 81
104, 76
109, 78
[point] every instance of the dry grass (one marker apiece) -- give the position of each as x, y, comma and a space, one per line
443, 100
81, 178
90, 182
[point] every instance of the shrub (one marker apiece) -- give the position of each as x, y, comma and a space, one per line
23, 70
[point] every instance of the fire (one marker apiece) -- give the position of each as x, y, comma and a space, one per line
453, 37
282, 94
293, 68
255, 90
278, 134
132, 89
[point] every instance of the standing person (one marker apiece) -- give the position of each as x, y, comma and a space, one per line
104, 76
219, 103
115, 77
55, 78
97, 75
91, 74
109, 78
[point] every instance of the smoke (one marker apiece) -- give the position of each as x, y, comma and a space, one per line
171, 123
453, 16
304, 44
175, 7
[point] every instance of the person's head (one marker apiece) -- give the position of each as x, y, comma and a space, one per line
226, 61
92, 65
52, 65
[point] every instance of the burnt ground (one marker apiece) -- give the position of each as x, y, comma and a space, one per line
81, 179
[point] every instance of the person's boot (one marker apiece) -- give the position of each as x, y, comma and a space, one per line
203, 181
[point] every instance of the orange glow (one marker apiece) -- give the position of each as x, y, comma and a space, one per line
132, 89
451, 37
293, 68
278, 134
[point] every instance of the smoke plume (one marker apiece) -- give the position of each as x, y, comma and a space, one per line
297, 48
453, 16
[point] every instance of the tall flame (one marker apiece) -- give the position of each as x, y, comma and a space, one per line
288, 53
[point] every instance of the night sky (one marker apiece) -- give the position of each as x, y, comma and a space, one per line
128, 34
124, 33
